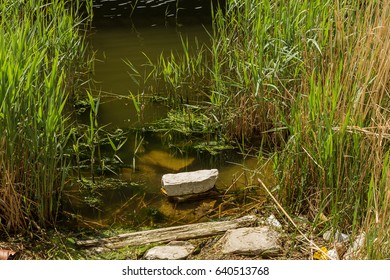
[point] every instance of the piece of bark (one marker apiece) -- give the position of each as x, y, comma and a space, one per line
184, 232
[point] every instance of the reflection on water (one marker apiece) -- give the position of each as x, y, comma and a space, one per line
113, 45
153, 12
137, 31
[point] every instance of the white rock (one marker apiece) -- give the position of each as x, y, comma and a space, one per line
186, 183
175, 250
333, 255
272, 221
353, 251
251, 241
327, 235
342, 237
337, 237
359, 241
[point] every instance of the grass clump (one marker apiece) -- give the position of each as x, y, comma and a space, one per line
41, 52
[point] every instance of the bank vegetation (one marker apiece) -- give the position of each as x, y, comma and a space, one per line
309, 82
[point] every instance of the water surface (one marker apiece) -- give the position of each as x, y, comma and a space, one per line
154, 29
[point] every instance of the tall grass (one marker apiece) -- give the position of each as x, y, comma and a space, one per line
41, 50
310, 78
336, 160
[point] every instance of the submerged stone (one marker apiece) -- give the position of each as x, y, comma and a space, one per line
262, 241
175, 250
165, 160
187, 212
187, 183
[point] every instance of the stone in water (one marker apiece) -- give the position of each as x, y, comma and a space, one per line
165, 160
186, 183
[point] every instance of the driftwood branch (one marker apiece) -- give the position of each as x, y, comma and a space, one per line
184, 232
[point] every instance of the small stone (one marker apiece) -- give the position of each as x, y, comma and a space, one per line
187, 183
261, 241
175, 250
338, 236
359, 241
333, 255
327, 235
357, 245
272, 221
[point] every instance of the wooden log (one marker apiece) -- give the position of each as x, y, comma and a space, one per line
184, 232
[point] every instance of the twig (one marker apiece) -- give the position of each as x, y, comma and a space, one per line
312, 158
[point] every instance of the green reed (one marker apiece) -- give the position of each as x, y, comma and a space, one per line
41, 47
336, 159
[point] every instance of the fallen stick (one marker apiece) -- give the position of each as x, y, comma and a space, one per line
184, 232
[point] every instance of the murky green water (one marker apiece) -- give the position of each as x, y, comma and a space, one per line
114, 40
113, 45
